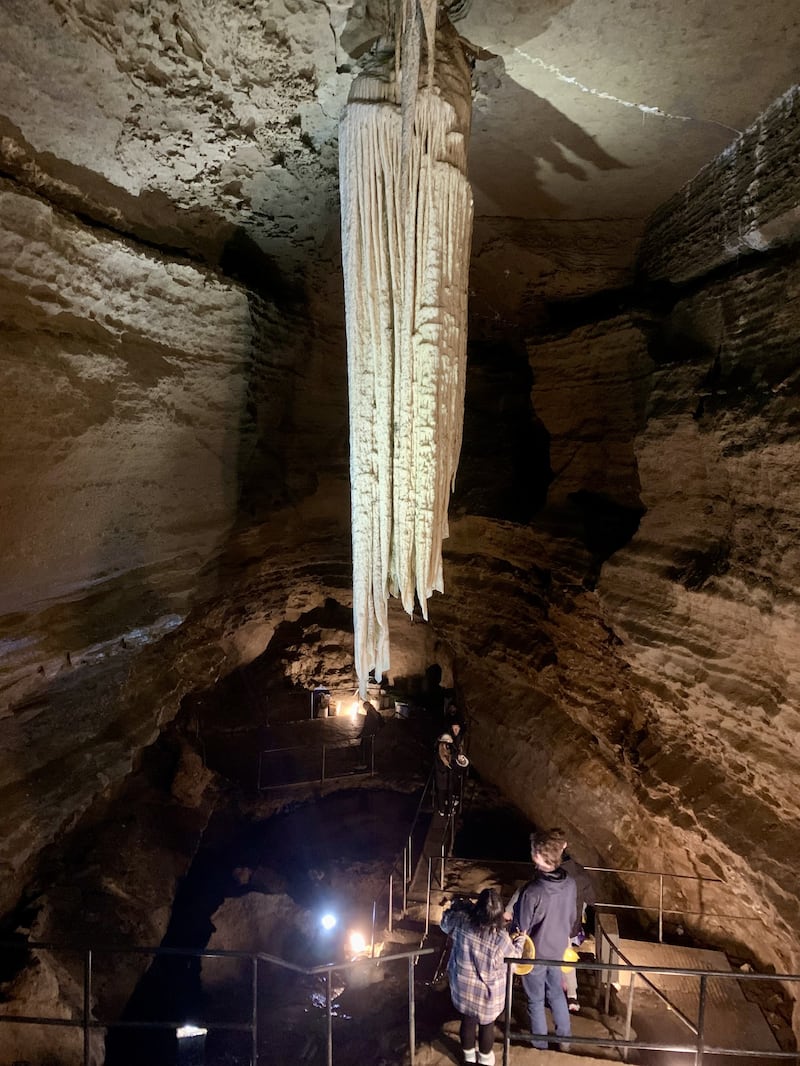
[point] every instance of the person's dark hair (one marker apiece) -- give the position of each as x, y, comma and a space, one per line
549, 844
488, 912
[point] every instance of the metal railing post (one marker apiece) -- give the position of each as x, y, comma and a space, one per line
372, 939
607, 1003
661, 908
629, 1013
412, 1034
322, 776
87, 1001
254, 1015
391, 901
405, 883
410, 871
372, 756
701, 1020
509, 995
441, 872
428, 897
329, 1011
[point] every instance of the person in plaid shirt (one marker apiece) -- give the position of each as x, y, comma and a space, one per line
476, 970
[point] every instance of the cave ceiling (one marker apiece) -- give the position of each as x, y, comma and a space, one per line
184, 122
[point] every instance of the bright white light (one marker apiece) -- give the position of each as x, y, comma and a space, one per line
190, 1030
358, 943
328, 921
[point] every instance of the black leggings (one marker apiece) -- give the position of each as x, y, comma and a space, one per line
470, 1028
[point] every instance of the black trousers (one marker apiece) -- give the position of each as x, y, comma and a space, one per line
471, 1029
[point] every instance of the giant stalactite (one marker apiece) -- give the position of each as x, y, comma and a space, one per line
406, 232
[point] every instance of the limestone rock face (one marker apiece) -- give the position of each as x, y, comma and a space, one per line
124, 373
174, 122
705, 596
254, 922
745, 202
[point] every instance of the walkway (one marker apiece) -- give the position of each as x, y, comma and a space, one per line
730, 1019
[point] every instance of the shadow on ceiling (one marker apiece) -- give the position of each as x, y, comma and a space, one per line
515, 133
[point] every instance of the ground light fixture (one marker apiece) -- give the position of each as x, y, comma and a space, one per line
328, 921
187, 1031
191, 1045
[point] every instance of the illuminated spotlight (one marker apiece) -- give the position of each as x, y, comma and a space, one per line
189, 1030
358, 943
328, 921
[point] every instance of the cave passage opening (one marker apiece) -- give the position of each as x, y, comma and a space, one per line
265, 885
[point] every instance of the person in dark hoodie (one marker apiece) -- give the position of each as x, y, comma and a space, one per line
545, 910
585, 899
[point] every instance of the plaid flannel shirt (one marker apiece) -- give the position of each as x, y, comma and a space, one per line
476, 971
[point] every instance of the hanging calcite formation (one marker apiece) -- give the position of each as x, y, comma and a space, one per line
406, 231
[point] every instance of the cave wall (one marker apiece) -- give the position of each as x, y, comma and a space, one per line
705, 597
126, 376
168, 384
648, 696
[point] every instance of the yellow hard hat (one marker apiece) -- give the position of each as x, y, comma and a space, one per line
570, 955
524, 946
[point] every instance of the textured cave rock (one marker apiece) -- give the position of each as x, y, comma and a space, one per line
744, 201
621, 616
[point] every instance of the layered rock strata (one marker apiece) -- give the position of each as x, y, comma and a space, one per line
658, 716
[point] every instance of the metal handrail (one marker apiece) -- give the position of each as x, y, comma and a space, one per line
654, 873
323, 748
88, 1024
660, 908
699, 1048
405, 858
615, 951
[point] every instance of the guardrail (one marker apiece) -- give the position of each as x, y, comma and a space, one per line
448, 839
328, 770
662, 910
656, 907
403, 864
89, 1024
698, 1048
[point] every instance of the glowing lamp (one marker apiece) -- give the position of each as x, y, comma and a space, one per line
358, 943
328, 921
189, 1030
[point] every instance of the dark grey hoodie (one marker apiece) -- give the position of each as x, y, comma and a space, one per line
545, 911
